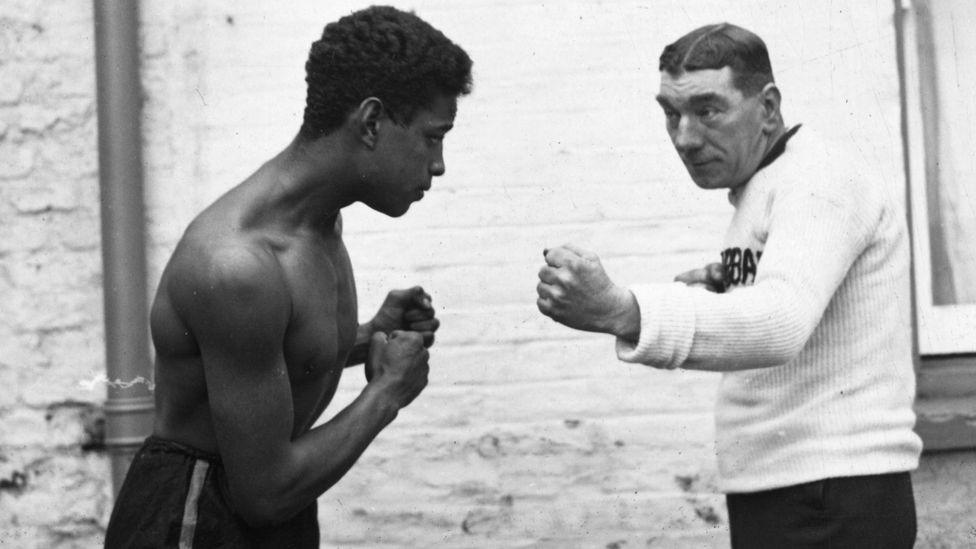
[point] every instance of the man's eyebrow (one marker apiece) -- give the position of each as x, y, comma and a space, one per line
707, 98
698, 99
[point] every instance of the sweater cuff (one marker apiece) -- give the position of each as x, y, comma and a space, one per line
667, 330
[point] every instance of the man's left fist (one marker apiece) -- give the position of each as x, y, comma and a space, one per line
408, 310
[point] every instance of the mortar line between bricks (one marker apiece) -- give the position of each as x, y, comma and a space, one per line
425, 267
594, 341
691, 415
509, 342
353, 231
575, 380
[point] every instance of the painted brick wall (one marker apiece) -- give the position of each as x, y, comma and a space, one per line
529, 435
53, 489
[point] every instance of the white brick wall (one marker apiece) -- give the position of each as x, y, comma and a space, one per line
52, 491
529, 435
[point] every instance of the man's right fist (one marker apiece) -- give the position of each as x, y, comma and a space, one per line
711, 277
399, 363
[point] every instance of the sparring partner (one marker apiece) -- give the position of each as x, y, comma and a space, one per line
256, 313
807, 317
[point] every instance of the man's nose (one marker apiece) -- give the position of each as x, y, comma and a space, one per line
687, 136
437, 167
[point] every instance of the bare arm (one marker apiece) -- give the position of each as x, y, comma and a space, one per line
238, 308
360, 350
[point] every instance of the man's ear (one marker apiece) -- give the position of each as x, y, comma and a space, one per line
769, 100
366, 121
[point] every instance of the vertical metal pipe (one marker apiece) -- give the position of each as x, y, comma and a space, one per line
900, 21
129, 408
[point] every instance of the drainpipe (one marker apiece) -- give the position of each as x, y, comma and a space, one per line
129, 406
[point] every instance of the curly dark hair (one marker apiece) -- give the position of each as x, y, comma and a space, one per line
717, 46
385, 53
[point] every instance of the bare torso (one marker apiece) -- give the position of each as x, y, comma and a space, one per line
320, 333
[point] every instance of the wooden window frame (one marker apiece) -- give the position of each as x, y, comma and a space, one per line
945, 339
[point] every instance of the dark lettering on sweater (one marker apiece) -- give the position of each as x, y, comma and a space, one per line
739, 266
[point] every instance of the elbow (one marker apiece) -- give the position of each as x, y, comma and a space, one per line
260, 508
782, 356
789, 327
785, 348
765, 349
797, 336
258, 512
739, 358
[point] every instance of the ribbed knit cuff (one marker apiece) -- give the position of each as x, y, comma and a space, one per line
667, 326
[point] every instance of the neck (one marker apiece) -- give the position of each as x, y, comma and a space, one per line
767, 147
303, 187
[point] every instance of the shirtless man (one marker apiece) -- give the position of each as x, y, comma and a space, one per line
256, 314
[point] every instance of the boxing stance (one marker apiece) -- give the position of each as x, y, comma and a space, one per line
256, 313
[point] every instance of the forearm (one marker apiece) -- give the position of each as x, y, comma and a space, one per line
757, 327
313, 462
360, 349
691, 328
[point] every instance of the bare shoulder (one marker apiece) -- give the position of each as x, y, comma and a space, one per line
230, 285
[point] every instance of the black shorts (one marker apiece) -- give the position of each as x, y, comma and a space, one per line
175, 496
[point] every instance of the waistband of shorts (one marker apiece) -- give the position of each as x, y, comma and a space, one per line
165, 445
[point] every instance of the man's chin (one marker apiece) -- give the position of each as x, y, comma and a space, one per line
705, 182
400, 211
390, 210
700, 180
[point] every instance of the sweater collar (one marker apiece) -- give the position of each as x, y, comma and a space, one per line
778, 148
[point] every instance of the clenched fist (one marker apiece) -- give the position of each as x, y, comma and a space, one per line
574, 290
398, 364
408, 309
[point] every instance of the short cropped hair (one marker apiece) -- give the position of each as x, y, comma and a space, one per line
385, 53
718, 46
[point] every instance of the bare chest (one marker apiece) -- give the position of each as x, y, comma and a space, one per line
322, 328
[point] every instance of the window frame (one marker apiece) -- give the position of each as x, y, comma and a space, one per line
945, 335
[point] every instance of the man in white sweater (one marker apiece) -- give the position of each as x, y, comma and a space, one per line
806, 316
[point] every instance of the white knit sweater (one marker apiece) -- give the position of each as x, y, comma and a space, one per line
813, 337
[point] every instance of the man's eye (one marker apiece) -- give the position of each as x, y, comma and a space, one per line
707, 112
435, 139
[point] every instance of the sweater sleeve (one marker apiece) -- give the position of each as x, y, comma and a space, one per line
813, 239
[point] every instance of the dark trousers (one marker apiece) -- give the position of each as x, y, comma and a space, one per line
876, 511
